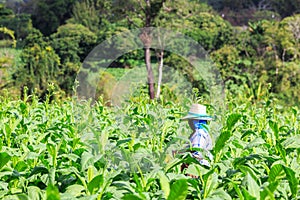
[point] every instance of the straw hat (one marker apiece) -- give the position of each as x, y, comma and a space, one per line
197, 111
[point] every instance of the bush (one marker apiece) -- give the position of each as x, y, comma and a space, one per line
73, 42
41, 65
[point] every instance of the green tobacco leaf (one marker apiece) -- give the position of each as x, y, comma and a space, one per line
276, 173
274, 126
248, 132
246, 169
131, 197
52, 193
4, 158
281, 151
256, 142
1, 145
164, 183
292, 142
293, 181
247, 194
172, 164
138, 182
23, 107
3, 186
126, 140
90, 173
87, 159
237, 190
95, 184
252, 186
195, 169
219, 194
243, 160
232, 120
221, 141
18, 197
34, 193
211, 183
269, 191
279, 172
51, 149
21, 166
179, 190
7, 129
75, 190
12, 197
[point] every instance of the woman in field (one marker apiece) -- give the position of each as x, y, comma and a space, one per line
201, 142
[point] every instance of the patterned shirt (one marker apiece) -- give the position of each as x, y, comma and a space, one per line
201, 139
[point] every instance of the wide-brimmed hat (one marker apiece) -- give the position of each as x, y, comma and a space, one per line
197, 111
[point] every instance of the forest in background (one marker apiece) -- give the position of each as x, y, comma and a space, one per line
254, 43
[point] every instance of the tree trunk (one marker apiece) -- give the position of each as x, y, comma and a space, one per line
150, 76
161, 63
146, 38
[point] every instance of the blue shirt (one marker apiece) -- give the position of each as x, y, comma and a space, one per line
201, 139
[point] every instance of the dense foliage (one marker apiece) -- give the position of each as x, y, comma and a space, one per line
70, 150
261, 50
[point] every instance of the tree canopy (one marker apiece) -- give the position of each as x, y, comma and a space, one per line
253, 42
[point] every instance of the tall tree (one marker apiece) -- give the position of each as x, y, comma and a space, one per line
177, 15
146, 11
150, 11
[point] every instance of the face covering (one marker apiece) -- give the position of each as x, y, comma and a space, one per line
200, 124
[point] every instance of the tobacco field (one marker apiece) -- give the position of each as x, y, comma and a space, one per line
70, 150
